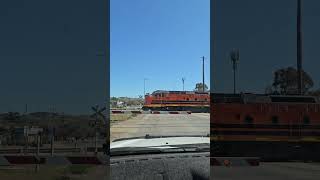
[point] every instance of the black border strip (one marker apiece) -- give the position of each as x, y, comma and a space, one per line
265, 126
180, 103
267, 133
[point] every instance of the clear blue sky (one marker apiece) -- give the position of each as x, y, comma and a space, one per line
265, 33
48, 52
160, 40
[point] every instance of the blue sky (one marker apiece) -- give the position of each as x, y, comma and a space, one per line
51, 51
265, 33
48, 52
159, 40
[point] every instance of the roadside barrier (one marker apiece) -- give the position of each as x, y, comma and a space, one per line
148, 112
52, 160
48, 150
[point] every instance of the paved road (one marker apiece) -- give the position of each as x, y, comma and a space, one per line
162, 124
269, 171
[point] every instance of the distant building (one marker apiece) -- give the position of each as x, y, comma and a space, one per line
113, 103
120, 104
21, 133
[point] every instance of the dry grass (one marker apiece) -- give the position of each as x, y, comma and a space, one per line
73, 172
121, 117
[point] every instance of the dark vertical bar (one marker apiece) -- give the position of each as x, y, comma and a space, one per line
26, 129
107, 34
52, 143
299, 48
144, 87
212, 42
212, 60
182, 84
107, 87
234, 77
203, 85
38, 144
96, 143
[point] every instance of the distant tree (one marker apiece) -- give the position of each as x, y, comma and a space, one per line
285, 81
113, 99
199, 87
315, 93
11, 134
12, 116
269, 89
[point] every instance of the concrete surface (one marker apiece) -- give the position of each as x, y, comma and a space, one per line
162, 124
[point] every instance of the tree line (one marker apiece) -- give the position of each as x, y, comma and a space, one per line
285, 82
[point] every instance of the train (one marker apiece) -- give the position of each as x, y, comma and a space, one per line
271, 127
193, 101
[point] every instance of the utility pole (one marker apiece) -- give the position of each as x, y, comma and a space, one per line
299, 48
97, 112
144, 87
213, 27
38, 143
52, 131
234, 55
52, 141
96, 133
26, 128
183, 79
38, 150
96, 140
203, 85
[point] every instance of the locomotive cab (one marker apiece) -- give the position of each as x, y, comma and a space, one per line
177, 101
267, 126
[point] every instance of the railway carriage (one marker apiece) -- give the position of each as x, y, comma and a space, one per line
177, 101
266, 126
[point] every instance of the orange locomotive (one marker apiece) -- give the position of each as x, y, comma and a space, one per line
177, 101
266, 126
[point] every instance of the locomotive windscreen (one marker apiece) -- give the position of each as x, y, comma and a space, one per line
260, 98
226, 98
